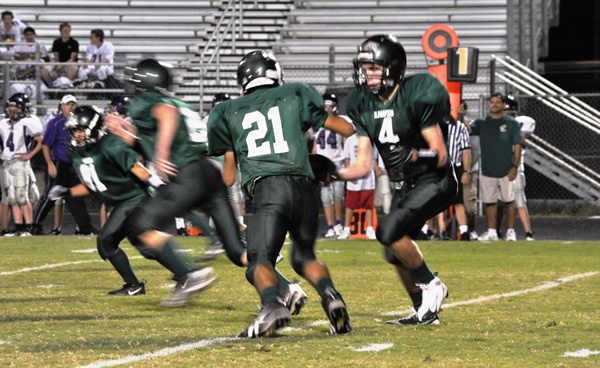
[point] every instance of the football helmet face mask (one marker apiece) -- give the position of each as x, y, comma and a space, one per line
20, 101
259, 68
150, 75
511, 105
86, 119
383, 50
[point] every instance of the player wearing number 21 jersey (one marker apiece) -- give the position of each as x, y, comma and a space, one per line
265, 130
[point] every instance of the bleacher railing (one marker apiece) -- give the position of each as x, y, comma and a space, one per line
216, 39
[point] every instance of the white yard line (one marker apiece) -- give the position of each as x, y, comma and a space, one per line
219, 340
583, 353
375, 347
163, 352
44, 267
547, 285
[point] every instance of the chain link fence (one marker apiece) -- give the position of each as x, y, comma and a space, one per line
545, 196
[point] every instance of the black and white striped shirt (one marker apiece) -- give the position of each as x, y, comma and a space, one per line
458, 140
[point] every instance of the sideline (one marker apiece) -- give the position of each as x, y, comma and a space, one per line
219, 340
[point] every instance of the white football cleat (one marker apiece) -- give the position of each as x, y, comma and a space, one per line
434, 294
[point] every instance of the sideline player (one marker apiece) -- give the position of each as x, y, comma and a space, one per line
265, 130
331, 145
402, 117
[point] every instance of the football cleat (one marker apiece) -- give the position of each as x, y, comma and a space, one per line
56, 231
413, 319
345, 234
337, 229
336, 311
529, 236
511, 235
434, 294
371, 234
466, 236
272, 316
330, 233
488, 237
190, 284
473, 235
130, 290
294, 298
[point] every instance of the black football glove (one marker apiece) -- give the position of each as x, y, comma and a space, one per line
324, 169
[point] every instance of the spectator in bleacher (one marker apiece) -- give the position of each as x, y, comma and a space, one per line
470, 188
98, 51
500, 155
27, 53
8, 33
65, 50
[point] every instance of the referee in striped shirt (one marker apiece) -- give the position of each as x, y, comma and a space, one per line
459, 150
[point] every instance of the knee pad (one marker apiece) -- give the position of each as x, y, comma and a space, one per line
106, 246
338, 190
300, 257
390, 257
21, 183
145, 251
252, 268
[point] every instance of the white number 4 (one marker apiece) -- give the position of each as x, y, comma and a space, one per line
386, 134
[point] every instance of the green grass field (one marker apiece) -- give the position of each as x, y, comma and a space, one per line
519, 304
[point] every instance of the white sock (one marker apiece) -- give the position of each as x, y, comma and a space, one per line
241, 220
463, 229
179, 223
425, 228
492, 232
347, 228
370, 228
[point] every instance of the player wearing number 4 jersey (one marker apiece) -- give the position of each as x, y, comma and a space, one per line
173, 139
402, 117
265, 131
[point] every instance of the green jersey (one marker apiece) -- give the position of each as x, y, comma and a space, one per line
266, 130
105, 168
420, 102
497, 138
189, 142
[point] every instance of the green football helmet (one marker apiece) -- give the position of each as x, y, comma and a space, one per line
386, 51
259, 68
88, 118
150, 75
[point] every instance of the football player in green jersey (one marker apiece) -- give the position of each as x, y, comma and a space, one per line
108, 167
173, 139
402, 117
265, 131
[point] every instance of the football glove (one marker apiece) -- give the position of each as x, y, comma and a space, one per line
58, 192
324, 169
